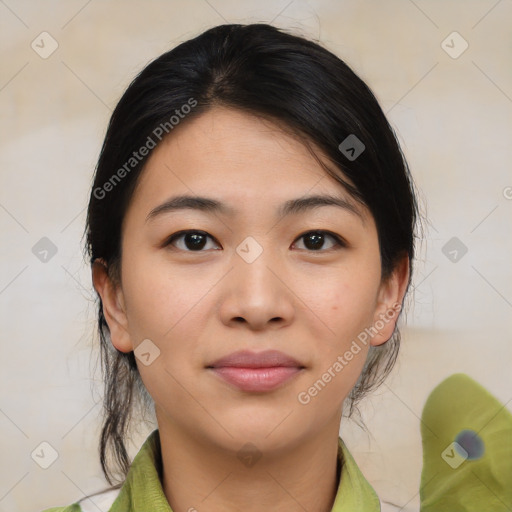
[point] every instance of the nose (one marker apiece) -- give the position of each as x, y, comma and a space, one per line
256, 296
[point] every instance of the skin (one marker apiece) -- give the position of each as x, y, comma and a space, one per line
198, 306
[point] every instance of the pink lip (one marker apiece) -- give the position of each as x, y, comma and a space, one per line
262, 371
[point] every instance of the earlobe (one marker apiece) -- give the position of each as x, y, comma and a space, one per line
113, 306
389, 302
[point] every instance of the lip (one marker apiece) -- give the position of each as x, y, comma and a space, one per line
256, 372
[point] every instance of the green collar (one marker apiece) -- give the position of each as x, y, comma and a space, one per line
142, 489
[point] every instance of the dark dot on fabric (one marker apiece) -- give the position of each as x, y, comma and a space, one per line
472, 443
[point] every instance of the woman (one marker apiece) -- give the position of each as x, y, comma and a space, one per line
251, 235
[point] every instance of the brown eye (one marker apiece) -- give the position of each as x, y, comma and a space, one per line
316, 240
191, 240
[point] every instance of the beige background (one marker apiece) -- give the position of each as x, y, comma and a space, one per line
453, 117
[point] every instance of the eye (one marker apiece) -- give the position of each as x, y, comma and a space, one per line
190, 240
197, 241
315, 240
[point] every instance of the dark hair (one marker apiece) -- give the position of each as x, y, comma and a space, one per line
264, 71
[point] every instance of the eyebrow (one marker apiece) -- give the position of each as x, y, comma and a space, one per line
210, 205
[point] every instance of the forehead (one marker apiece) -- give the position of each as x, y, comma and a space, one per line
239, 157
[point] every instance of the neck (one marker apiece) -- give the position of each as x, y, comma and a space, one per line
200, 476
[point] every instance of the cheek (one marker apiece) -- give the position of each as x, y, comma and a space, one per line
160, 297
344, 301
167, 306
344, 304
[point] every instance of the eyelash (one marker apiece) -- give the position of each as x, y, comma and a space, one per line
339, 242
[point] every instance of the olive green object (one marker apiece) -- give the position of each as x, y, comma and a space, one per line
467, 449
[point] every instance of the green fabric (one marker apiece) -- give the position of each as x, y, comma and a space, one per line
354, 494
142, 489
467, 449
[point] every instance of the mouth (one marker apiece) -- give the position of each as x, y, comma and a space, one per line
256, 372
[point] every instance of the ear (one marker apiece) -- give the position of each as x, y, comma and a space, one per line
389, 302
113, 306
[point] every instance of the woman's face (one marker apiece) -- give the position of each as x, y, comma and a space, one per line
264, 267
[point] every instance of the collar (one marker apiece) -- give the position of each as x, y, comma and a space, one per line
142, 489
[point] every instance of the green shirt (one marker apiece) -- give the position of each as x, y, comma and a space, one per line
142, 489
